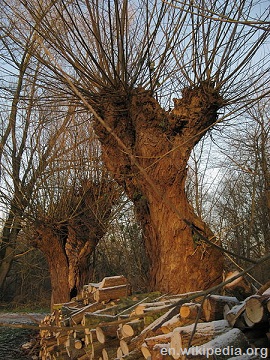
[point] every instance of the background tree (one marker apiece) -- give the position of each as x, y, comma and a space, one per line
129, 60
122, 251
50, 181
19, 168
73, 205
242, 208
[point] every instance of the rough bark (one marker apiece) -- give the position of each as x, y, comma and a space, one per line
8, 241
161, 143
68, 245
52, 243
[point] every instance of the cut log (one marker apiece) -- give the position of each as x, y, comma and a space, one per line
78, 344
85, 357
178, 297
77, 317
93, 335
247, 323
176, 344
146, 307
174, 322
132, 328
189, 310
268, 305
119, 353
255, 311
234, 314
96, 350
145, 351
106, 332
150, 330
133, 355
239, 287
111, 293
124, 347
213, 306
159, 339
204, 332
91, 319
159, 352
109, 353
228, 344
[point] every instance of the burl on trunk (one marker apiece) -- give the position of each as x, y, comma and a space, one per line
160, 142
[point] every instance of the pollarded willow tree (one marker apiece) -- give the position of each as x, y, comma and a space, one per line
72, 204
129, 60
52, 180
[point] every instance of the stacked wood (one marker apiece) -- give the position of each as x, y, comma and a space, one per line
72, 331
154, 326
240, 287
214, 306
253, 310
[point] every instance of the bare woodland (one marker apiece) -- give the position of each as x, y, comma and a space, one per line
153, 107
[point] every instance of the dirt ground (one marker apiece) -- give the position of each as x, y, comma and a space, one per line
12, 339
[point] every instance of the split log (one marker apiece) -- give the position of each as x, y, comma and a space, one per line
213, 306
110, 293
92, 287
113, 281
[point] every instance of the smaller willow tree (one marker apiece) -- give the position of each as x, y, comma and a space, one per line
129, 59
69, 236
52, 180
72, 206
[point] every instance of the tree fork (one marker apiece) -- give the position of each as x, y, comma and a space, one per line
161, 142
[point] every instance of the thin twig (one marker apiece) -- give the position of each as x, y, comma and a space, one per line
205, 239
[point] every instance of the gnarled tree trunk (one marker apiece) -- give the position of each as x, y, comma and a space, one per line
161, 142
68, 244
51, 241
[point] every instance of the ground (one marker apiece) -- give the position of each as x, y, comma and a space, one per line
12, 339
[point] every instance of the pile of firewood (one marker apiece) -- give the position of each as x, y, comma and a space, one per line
105, 322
